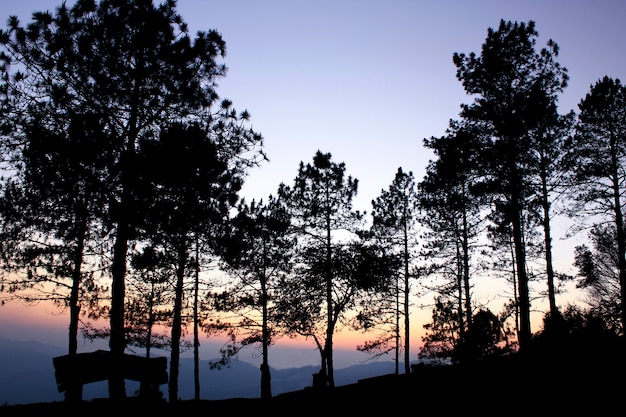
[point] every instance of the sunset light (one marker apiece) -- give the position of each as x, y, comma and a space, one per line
282, 196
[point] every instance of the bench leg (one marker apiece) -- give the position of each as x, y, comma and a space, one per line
74, 393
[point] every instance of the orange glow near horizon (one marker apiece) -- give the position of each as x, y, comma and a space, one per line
345, 340
27, 322
45, 323
42, 312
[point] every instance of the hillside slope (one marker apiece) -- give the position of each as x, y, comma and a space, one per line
550, 383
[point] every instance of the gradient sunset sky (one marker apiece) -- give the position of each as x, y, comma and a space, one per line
367, 81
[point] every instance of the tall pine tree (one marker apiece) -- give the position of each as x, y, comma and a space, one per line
515, 87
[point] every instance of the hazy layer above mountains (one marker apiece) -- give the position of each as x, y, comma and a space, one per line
27, 376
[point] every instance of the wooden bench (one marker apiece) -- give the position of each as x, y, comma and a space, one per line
73, 371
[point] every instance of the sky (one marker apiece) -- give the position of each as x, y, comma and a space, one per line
366, 81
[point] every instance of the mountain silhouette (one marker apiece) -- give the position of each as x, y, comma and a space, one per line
27, 376
576, 378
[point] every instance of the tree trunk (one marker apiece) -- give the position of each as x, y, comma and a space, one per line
524, 335
466, 269
619, 226
196, 333
397, 329
266, 377
407, 286
75, 392
545, 202
328, 346
177, 324
117, 340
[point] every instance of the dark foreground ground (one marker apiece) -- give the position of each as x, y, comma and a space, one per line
546, 384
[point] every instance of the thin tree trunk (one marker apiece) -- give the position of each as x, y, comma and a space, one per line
75, 392
397, 330
407, 329
145, 388
545, 202
619, 226
196, 335
466, 270
266, 377
328, 346
524, 335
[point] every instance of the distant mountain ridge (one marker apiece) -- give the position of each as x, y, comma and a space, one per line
27, 376
581, 375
